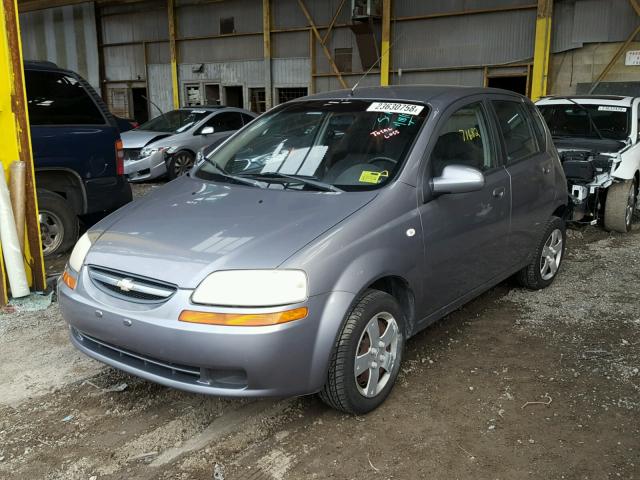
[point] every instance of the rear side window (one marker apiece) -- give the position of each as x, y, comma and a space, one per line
58, 99
225, 122
464, 140
515, 128
538, 126
246, 118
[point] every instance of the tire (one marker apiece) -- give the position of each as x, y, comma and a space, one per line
619, 207
58, 223
179, 164
356, 394
547, 257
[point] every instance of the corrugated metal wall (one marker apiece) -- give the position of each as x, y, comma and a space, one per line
428, 37
64, 35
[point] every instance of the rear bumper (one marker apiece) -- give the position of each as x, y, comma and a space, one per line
107, 194
283, 360
148, 168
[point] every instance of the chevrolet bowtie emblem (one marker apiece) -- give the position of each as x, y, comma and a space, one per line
126, 284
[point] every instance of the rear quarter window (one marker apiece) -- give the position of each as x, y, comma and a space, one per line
58, 99
538, 126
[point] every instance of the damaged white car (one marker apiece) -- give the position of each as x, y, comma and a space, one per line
597, 139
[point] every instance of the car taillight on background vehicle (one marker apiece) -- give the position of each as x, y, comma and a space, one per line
119, 158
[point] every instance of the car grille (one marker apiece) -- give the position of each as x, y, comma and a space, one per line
188, 374
130, 287
131, 154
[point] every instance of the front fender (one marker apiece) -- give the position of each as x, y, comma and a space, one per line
630, 164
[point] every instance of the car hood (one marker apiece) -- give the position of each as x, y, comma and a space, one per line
189, 228
141, 138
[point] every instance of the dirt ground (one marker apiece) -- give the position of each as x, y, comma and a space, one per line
517, 384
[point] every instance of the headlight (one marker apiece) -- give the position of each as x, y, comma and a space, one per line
80, 252
252, 288
148, 151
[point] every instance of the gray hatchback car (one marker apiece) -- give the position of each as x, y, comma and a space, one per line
301, 254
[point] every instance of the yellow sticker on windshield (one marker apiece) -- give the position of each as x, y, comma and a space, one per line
368, 176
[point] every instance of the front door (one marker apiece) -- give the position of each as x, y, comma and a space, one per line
465, 234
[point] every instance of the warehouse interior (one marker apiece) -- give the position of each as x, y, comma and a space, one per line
127, 50
203, 275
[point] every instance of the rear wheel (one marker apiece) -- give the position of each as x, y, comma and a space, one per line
366, 359
58, 223
619, 207
547, 258
179, 164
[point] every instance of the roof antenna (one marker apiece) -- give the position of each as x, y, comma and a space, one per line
353, 89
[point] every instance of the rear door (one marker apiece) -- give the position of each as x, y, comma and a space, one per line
223, 123
531, 172
68, 130
465, 234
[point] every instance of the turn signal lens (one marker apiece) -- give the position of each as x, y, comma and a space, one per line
69, 280
242, 319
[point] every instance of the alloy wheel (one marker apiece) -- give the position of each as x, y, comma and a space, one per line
376, 354
182, 163
551, 255
631, 205
51, 231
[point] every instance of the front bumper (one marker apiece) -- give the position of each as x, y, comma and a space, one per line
149, 168
282, 360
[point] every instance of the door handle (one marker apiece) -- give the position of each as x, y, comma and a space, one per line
498, 192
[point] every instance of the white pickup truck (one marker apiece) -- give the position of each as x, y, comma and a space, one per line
597, 140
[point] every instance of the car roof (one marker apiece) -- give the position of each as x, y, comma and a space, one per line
588, 100
412, 93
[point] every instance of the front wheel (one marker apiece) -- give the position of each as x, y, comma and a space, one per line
179, 164
546, 259
367, 355
620, 206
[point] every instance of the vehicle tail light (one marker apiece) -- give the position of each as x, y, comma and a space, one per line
134, 124
119, 158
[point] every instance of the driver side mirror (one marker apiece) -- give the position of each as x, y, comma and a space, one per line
207, 131
458, 179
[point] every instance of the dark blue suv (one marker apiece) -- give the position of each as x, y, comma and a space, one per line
77, 153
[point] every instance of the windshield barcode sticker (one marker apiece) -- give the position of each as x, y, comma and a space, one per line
609, 108
388, 107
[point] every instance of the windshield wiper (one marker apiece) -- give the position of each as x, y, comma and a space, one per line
327, 187
220, 171
593, 124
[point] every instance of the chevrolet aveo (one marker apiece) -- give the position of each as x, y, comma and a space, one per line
301, 254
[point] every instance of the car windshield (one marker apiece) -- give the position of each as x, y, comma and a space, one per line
571, 120
330, 144
174, 121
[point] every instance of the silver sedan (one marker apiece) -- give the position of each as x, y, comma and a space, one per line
167, 144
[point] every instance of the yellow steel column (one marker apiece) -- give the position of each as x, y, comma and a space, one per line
542, 49
386, 33
15, 139
266, 38
171, 14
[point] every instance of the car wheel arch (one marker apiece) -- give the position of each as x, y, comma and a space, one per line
66, 183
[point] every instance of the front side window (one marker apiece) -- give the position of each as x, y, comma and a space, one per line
349, 144
225, 122
174, 121
58, 99
516, 131
587, 120
464, 140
